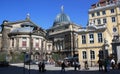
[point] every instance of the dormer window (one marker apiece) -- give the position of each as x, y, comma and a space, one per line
97, 5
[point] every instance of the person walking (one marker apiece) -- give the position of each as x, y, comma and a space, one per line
43, 67
105, 65
40, 66
100, 62
86, 65
75, 65
63, 66
108, 64
113, 63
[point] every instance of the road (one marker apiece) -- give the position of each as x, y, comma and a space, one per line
50, 69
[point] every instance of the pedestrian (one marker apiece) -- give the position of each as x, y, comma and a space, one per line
63, 66
100, 62
78, 65
105, 65
113, 63
43, 67
40, 66
75, 65
86, 65
108, 64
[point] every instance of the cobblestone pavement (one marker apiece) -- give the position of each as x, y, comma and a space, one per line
50, 69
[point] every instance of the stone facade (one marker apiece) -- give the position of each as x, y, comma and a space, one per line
63, 33
25, 36
103, 24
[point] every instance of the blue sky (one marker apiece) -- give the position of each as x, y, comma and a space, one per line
44, 12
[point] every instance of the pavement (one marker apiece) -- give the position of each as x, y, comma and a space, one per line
50, 69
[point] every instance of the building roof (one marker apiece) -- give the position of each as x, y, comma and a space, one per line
61, 18
22, 29
101, 3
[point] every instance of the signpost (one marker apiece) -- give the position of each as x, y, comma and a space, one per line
27, 58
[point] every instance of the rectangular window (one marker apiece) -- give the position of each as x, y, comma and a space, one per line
99, 21
103, 13
100, 39
92, 54
104, 21
98, 13
112, 10
113, 19
91, 37
84, 54
37, 42
92, 14
83, 39
24, 42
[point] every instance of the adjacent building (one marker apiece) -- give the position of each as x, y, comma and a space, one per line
24, 37
95, 39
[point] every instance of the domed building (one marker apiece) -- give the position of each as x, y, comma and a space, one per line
24, 37
63, 34
62, 17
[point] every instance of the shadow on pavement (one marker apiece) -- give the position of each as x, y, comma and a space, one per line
21, 70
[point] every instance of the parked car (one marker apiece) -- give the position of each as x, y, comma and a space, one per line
4, 64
